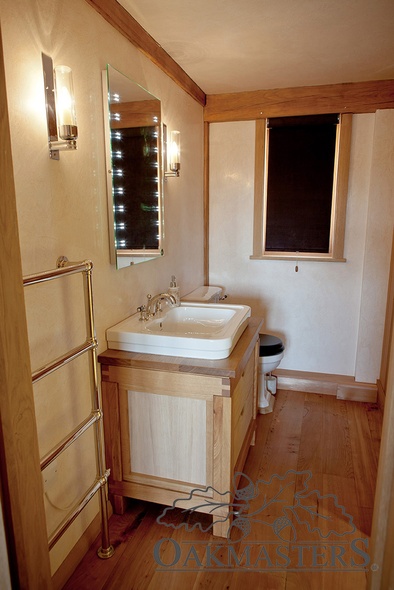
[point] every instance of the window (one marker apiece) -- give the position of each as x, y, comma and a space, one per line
301, 174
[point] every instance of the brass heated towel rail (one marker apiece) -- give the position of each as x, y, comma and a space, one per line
64, 268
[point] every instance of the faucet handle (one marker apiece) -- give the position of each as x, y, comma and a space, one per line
142, 310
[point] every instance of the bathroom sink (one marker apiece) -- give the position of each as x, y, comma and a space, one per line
192, 330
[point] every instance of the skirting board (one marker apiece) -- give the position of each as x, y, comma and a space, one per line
342, 386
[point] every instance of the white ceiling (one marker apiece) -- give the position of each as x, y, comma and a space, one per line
237, 45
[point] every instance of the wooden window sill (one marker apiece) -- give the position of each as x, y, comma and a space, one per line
298, 257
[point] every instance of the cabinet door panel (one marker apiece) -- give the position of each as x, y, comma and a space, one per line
168, 436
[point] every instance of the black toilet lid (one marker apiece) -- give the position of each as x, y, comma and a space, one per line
270, 345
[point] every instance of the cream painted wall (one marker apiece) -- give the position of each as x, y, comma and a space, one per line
317, 310
62, 210
379, 233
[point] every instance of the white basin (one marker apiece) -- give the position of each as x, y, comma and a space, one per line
192, 330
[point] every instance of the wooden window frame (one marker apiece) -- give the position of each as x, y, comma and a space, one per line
339, 197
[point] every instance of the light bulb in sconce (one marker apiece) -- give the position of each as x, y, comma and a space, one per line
60, 107
65, 103
175, 151
172, 152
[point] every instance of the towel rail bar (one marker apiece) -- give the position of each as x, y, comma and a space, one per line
64, 268
68, 440
77, 509
63, 360
60, 271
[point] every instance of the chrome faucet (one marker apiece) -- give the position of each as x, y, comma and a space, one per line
154, 303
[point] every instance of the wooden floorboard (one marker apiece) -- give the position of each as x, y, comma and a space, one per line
312, 474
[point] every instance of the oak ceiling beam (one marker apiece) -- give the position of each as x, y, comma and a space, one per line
122, 21
354, 97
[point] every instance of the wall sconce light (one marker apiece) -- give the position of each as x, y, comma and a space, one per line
172, 152
60, 108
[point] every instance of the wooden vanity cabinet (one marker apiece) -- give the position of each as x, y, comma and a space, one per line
179, 428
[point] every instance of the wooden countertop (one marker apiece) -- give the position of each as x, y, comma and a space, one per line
229, 367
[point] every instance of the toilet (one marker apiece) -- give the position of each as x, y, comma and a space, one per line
205, 295
271, 353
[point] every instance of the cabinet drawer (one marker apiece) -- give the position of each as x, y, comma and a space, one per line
242, 408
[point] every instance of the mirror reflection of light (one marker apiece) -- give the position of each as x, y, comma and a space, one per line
116, 135
116, 116
115, 97
118, 172
118, 190
121, 225
155, 119
118, 154
119, 208
120, 243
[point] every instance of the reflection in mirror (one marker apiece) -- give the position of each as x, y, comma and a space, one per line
134, 179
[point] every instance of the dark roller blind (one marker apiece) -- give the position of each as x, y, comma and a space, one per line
300, 183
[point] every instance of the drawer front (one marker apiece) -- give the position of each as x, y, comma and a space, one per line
242, 410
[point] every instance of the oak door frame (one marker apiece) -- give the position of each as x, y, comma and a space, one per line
21, 481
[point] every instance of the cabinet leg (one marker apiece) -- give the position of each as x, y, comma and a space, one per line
220, 529
118, 504
253, 441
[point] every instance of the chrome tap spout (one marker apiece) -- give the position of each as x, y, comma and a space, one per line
153, 304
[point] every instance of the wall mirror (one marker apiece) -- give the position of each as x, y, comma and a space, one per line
134, 169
